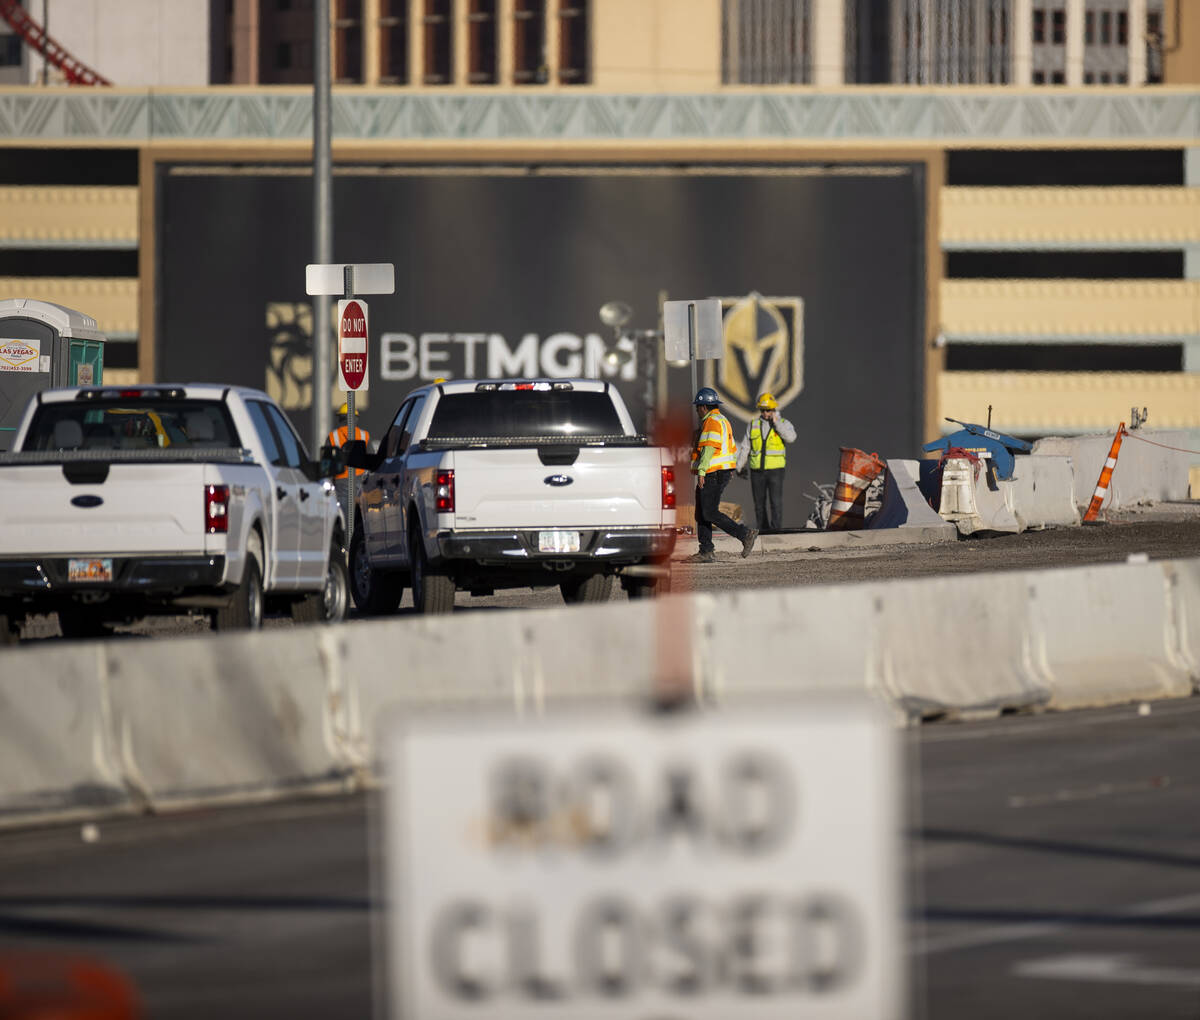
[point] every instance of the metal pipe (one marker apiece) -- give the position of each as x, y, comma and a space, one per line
322, 222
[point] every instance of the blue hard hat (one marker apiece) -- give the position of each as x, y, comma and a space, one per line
706, 395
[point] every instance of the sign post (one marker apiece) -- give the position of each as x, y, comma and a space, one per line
352, 335
613, 862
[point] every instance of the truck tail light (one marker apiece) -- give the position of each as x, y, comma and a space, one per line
216, 509
445, 492
668, 488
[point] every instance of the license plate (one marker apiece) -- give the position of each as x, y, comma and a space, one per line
89, 570
558, 541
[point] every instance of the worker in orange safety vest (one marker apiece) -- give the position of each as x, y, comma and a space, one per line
337, 439
714, 458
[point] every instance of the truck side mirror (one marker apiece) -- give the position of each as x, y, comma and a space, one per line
354, 454
333, 460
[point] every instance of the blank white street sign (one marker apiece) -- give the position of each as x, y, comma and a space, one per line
614, 864
709, 339
369, 278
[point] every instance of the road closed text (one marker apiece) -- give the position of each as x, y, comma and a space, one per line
701, 867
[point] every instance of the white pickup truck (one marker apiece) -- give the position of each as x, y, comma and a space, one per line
120, 502
510, 483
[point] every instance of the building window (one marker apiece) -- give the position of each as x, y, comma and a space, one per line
1089, 78
1106, 28
1039, 25
481, 42
1122, 28
393, 42
1058, 21
1057, 78
1121, 78
1104, 78
1039, 78
1089, 28
348, 41
529, 43
439, 43
1154, 48
574, 67
10, 51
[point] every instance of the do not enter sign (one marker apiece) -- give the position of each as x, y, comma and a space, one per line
352, 345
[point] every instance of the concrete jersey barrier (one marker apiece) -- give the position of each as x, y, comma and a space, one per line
1145, 472
123, 726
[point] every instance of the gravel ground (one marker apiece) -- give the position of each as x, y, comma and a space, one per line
1160, 531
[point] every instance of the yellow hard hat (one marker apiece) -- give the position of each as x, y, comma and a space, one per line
767, 402
344, 409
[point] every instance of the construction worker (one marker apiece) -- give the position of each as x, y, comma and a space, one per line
764, 450
714, 458
337, 438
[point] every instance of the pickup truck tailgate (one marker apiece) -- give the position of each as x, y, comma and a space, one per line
138, 508
513, 488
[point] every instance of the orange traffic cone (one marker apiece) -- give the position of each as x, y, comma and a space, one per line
855, 474
1093, 509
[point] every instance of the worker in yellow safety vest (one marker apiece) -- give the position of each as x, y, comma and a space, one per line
714, 459
337, 439
764, 450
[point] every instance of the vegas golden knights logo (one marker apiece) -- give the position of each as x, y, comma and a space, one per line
764, 352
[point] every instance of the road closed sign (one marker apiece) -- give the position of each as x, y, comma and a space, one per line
352, 345
617, 864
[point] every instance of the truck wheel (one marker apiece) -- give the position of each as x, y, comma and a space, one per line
330, 603
10, 630
81, 625
593, 588
244, 611
645, 588
432, 592
375, 592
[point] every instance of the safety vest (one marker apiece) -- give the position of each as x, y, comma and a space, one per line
776, 451
337, 439
715, 431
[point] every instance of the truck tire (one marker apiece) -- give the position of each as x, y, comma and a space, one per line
375, 592
244, 610
593, 588
646, 587
10, 630
81, 624
328, 605
432, 592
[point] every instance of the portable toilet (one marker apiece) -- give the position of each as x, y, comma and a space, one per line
43, 345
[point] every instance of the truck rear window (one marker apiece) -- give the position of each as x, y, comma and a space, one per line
131, 424
518, 414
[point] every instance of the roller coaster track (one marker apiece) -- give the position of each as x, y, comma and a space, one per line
36, 37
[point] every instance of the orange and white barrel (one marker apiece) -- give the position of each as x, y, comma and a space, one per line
855, 473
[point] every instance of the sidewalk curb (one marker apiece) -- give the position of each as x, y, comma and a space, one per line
812, 540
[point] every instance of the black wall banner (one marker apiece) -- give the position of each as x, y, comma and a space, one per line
501, 272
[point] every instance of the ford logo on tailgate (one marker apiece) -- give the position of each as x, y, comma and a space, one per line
559, 480
86, 501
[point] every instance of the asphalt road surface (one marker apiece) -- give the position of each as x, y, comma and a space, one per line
1053, 862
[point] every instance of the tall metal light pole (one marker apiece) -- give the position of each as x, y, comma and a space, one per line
322, 221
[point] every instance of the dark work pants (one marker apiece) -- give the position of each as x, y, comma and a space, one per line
767, 487
708, 511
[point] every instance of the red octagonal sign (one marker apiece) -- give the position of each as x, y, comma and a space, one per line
352, 344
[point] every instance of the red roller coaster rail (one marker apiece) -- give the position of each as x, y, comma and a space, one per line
35, 36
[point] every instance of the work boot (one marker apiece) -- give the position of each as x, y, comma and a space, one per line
748, 542
702, 557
